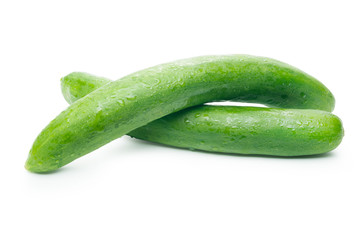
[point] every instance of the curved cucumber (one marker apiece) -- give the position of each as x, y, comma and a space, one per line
245, 130
80, 84
142, 97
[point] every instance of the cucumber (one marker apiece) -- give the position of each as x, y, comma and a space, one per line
241, 130
142, 97
247, 130
80, 84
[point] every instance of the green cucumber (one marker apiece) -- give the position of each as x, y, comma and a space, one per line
80, 84
247, 130
121, 106
244, 130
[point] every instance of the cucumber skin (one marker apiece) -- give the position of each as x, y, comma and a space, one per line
80, 84
137, 99
241, 130
247, 130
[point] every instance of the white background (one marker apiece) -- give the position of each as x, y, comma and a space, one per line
131, 189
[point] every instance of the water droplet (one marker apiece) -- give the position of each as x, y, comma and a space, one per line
121, 102
186, 120
197, 115
303, 95
98, 109
131, 97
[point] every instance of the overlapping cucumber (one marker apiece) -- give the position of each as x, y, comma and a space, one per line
230, 129
122, 106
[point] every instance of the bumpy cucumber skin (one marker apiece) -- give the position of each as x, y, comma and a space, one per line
80, 83
241, 130
247, 130
137, 99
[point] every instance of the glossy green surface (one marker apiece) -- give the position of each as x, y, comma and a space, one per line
142, 97
245, 130
78, 85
